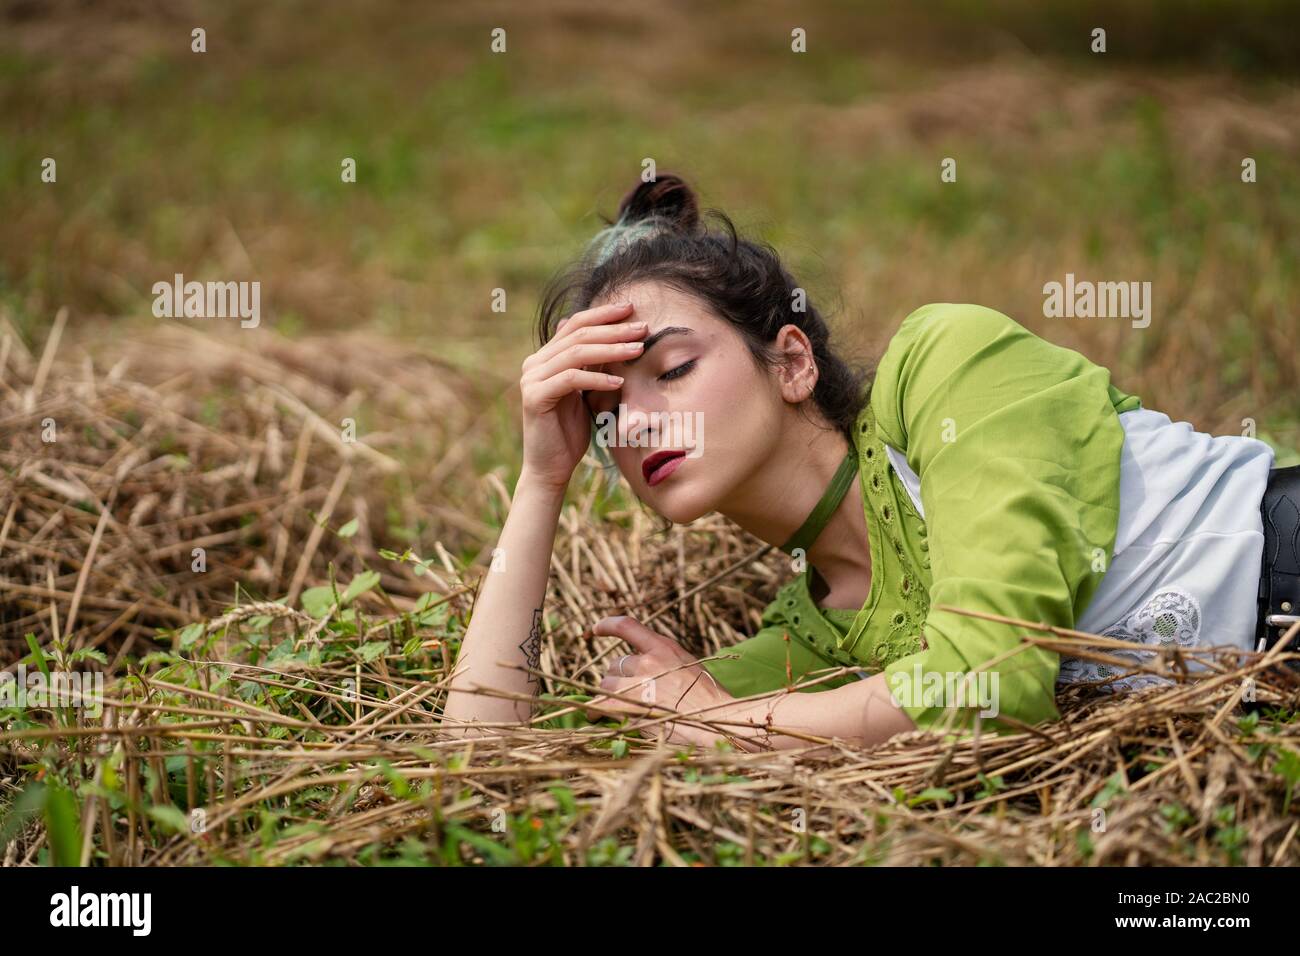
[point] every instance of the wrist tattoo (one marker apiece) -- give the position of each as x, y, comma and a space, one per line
532, 646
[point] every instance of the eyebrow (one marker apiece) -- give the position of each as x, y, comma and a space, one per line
653, 340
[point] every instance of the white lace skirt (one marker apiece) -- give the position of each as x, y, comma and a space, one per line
1190, 539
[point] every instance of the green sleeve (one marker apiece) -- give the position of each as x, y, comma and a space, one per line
1017, 444
779, 654
768, 661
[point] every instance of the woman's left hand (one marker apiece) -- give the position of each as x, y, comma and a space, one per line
660, 675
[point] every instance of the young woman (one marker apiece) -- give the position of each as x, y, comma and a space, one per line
983, 469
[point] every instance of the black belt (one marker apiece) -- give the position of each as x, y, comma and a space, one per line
1279, 579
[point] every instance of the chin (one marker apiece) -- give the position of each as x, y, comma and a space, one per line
681, 515
680, 505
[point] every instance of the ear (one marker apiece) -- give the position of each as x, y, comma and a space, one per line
798, 372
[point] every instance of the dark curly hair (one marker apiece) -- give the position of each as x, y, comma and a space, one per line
660, 236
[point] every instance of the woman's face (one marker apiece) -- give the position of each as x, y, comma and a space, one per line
696, 416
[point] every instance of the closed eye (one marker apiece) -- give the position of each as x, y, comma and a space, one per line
677, 372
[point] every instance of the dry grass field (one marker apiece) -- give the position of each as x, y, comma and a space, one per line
280, 705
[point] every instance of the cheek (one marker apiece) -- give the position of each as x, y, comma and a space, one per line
722, 389
629, 463
739, 405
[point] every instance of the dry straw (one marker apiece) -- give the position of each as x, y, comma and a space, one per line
340, 754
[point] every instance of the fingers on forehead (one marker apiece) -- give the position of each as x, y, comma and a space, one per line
611, 312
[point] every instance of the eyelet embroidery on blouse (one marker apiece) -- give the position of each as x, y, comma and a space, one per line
1171, 617
899, 634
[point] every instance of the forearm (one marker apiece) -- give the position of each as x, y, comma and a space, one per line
504, 633
860, 714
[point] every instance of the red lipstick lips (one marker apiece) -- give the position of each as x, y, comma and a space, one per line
659, 465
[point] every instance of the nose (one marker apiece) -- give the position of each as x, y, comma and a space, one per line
635, 415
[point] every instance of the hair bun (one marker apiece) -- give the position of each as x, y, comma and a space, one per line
667, 197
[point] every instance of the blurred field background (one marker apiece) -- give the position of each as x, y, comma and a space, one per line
478, 171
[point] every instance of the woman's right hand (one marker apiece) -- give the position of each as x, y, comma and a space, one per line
557, 424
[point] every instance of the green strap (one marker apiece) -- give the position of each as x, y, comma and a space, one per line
835, 492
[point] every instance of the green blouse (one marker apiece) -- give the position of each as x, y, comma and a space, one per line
1017, 445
